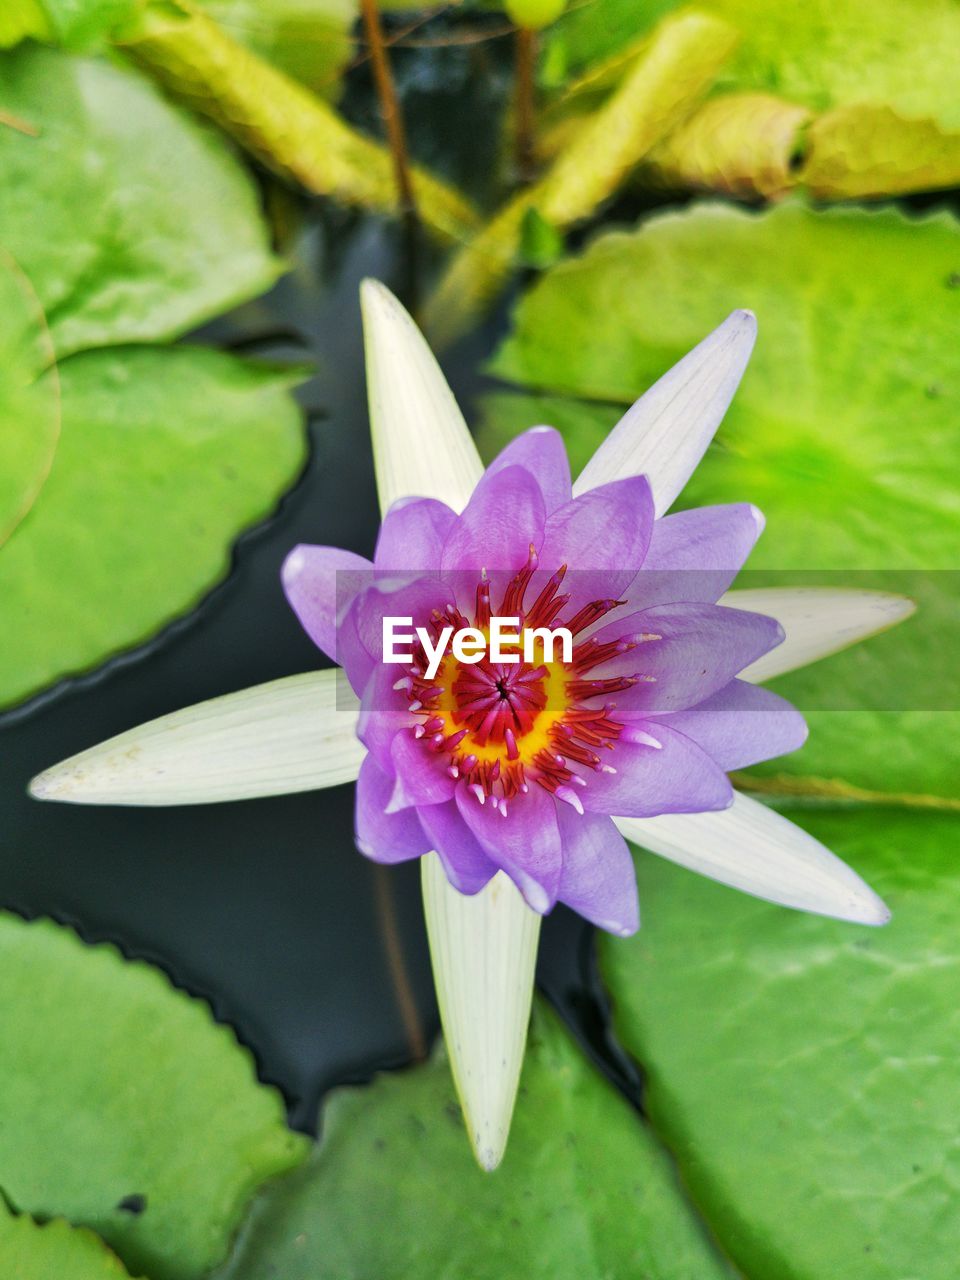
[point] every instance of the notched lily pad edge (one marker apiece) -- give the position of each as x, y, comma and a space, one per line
609, 239
84, 940
82, 681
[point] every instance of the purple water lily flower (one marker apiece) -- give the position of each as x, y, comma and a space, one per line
530, 775
521, 767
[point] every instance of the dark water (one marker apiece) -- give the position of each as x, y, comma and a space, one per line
265, 908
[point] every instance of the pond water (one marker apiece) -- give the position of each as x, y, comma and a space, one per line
265, 908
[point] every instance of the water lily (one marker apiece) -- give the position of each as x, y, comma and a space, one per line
516, 784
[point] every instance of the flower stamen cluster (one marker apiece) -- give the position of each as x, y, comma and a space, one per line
504, 725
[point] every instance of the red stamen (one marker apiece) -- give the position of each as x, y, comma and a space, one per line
495, 706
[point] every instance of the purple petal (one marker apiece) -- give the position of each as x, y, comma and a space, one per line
383, 714
414, 599
740, 725
412, 535
607, 529
676, 777
352, 654
316, 594
467, 866
598, 879
505, 515
690, 651
525, 843
542, 452
421, 774
695, 555
360, 629
382, 836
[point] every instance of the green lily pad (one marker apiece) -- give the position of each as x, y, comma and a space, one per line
882, 71
864, 150
124, 1107
583, 425
79, 23
29, 403
804, 1072
133, 222
844, 432
164, 456
31, 1251
20, 19
898, 53
392, 1191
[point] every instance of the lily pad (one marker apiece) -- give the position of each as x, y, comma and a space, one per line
20, 19
897, 53
164, 456
844, 432
78, 23
31, 1251
802, 1071
865, 150
582, 423
392, 1191
124, 1107
29, 401
881, 71
150, 224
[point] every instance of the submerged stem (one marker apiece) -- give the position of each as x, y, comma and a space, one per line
389, 105
286, 127
661, 87
525, 141
400, 978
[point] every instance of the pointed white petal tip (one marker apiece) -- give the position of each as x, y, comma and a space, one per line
488, 1158
873, 912
274, 739
421, 445
483, 950
757, 850
818, 622
378, 305
666, 432
50, 785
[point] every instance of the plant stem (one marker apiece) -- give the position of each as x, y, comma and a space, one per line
833, 790
389, 106
402, 988
660, 88
21, 126
525, 106
286, 127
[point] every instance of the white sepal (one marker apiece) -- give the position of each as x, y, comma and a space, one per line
665, 434
421, 445
483, 948
818, 621
295, 734
484, 953
753, 848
